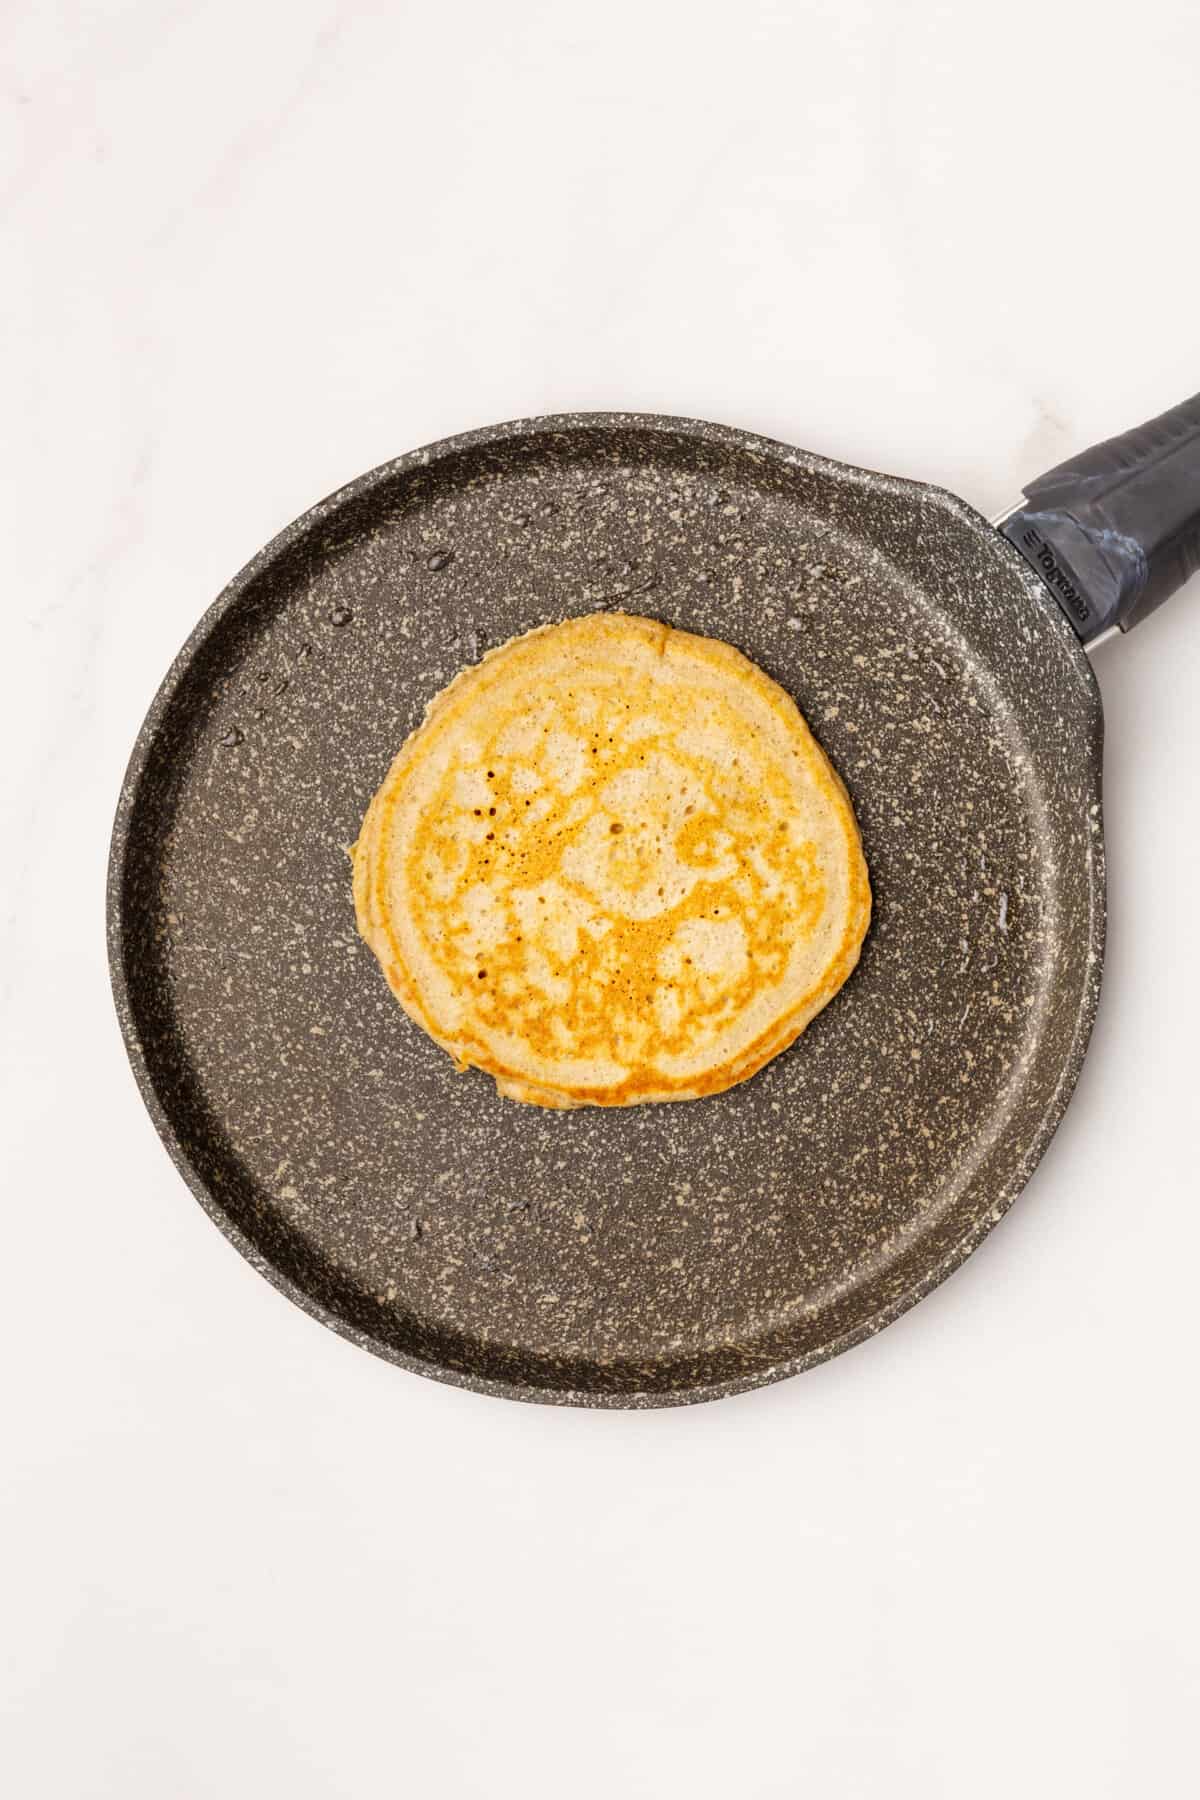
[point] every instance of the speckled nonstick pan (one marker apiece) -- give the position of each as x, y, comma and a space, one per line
656, 1254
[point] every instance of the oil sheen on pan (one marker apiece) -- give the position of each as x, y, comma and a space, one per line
612, 866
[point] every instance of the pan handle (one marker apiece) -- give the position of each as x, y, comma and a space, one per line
1115, 530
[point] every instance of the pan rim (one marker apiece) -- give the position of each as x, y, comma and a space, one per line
126, 812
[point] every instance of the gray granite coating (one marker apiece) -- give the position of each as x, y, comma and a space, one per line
650, 1255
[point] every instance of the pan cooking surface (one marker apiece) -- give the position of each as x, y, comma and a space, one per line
649, 1254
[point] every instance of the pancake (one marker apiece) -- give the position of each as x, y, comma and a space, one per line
612, 865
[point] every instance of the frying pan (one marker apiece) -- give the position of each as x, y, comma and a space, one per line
650, 1255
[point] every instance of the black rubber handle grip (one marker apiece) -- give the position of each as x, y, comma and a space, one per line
1114, 531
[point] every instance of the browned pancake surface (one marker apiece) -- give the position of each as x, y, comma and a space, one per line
612, 865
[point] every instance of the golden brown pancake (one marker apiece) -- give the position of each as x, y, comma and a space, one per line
612, 865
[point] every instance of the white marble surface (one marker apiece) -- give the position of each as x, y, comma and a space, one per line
248, 252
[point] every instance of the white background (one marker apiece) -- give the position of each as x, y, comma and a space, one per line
250, 251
